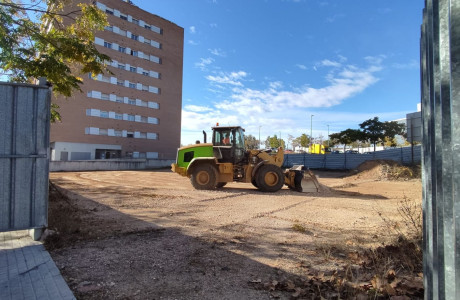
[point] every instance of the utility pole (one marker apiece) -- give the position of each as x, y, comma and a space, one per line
328, 138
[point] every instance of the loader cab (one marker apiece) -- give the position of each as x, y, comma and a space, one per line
228, 143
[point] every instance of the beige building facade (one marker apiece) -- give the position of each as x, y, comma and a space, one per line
135, 112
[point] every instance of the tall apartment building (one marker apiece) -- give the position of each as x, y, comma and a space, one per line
136, 111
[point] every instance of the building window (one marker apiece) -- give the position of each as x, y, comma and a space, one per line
123, 17
118, 133
131, 118
135, 21
145, 73
154, 105
104, 114
108, 45
134, 37
105, 97
121, 49
143, 135
131, 101
122, 32
130, 134
120, 83
109, 11
103, 79
133, 69
119, 99
145, 88
147, 27
132, 85
109, 28
118, 116
103, 131
147, 41
121, 66
134, 53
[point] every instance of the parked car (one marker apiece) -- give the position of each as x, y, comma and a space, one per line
352, 152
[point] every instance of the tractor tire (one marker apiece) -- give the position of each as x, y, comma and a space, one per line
204, 177
254, 183
220, 185
269, 178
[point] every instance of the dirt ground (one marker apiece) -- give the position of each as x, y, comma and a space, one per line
150, 235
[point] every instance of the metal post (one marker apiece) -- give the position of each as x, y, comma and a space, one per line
440, 78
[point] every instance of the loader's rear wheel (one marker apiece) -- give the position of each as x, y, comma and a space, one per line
204, 177
270, 178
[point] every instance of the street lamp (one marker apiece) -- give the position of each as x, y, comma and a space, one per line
328, 135
311, 130
259, 135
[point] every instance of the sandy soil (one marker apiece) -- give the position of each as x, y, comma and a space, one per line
150, 235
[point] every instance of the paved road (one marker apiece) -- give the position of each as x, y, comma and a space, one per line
27, 270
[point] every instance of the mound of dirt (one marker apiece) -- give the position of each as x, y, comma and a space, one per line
386, 170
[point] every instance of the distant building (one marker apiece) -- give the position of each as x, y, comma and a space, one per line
136, 111
414, 125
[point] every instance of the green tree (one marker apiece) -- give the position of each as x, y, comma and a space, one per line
274, 142
382, 132
251, 142
58, 46
390, 130
346, 137
304, 140
373, 130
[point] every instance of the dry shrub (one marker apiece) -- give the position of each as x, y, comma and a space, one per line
408, 232
388, 170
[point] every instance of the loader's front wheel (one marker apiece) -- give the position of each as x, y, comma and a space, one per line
270, 178
221, 185
204, 177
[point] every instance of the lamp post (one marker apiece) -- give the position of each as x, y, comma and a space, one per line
311, 130
259, 135
328, 135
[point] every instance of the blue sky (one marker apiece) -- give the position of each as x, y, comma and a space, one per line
274, 63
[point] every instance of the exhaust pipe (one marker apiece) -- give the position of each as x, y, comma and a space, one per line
204, 136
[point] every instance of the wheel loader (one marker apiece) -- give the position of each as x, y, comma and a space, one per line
213, 165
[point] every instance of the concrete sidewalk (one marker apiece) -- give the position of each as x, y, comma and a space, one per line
27, 270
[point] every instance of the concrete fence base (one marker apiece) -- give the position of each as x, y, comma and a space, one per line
109, 165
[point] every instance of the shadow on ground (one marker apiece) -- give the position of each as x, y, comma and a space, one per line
105, 254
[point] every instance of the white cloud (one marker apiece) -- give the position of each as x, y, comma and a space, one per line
217, 52
330, 63
197, 108
192, 29
409, 65
281, 109
303, 67
192, 42
232, 78
204, 63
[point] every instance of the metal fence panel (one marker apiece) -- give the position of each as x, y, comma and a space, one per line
342, 161
24, 156
440, 70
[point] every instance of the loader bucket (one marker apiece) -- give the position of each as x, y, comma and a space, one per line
302, 180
